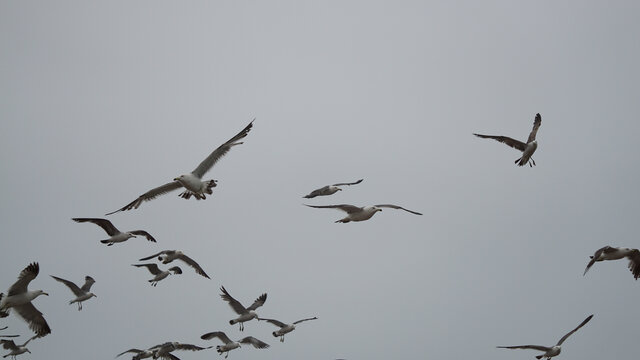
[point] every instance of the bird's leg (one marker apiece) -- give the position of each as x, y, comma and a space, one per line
79, 305
227, 355
534, 162
282, 338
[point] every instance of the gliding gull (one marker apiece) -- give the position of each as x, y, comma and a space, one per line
552, 351
246, 314
83, 293
19, 298
116, 235
168, 256
355, 213
16, 349
230, 345
159, 274
611, 253
527, 149
329, 189
285, 328
192, 182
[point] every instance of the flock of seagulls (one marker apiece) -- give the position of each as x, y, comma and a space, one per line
20, 299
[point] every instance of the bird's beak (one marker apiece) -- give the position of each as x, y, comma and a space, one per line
28, 351
44, 293
176, 179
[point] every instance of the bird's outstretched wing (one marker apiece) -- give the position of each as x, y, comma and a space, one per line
135, 351
190, 347
168, 252
145, 234
235, 304
153, 268
352, 183
26, 275
149, 195
349, 209
219, 334
274, 322
505, 140
34, 317
397, 207
193, 264
105, 224
634, 263
595, 256
255, 342
534, 131
533, 347
208, 163
71, 285
258, 302
299, 321
88, 281
574, 330
9, 344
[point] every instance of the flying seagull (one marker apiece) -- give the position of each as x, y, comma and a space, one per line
159, 274
612, 253
167, 256
19, 298
163, 351
116, 235
81, 293
246, 314
355, 213
16, 349
284, 328
192, 182
527, 149
230, 345
549, 352
329, 189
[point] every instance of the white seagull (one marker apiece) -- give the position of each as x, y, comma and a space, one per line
116, 235
192, 182
612, 253
246, 314
356, 213
552, 351
159, 274
19, 298
527, 149
167, 256
16, 349
329, 189
230, 345
81, 293
285, 328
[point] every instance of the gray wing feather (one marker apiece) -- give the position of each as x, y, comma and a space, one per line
255, 342
258, 302
9, 344
352, 183
299, 321
168, 252
145, 234
136, 351
235, 304
208, 163
88, 281
219, 334
149, 195
74, 288
105, 224
533, 347
634, 263
274, 322
194, 265
36, 321
534, 131
505, 140
349, 209
574, 330
397, 207
26, 275
153, 268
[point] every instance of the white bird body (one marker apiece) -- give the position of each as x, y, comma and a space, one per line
20, 299
528, 152
246, 314
230, 344
116, 236
616, 253
284, 328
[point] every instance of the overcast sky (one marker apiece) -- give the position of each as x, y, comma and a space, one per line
102, 101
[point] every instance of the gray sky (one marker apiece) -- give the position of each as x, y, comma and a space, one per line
101, 101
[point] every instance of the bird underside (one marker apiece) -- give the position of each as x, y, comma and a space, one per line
520, 162
200, 196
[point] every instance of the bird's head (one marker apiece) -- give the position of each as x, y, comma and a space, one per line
92, 295
41, 292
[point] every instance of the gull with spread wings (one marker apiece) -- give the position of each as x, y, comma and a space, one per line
613, 253
19, 298
230, 344
167, 256
527, 149
16, 349
116, 236
356, 213
159, 274
192, 182
81, 293
284, 328
552, 351
329, 189
246, 314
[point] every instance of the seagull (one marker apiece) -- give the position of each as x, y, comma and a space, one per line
140, 354
159, 274
527, 149
163, 351
285, 328
611, 253
245, 314
549, 352
116, 235
355, 213
83, 293
329, 189
192, 182
19, 298
230, 345
16, 349
167, 256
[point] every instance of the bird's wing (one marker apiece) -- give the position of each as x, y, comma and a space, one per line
536, 125
219, 334
505, 140
31, 338
9, 344
634, 262
255, 342
274, 322
169, 356
595, 256
397, 207
574, 330
153, 268
88, 281
352, 183
74, 288
258, 302
145, 234
349, 209
189, 347
105, 224
168, 252
194, 265
149, 195
317, 192
207, 163
299, 321
533, 347
26, 275
34, 317
136, 351
235, 304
